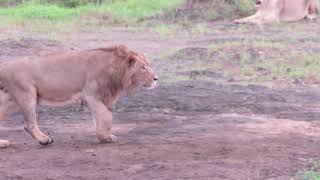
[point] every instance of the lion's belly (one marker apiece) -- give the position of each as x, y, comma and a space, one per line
61, 101
59, 87
61, 92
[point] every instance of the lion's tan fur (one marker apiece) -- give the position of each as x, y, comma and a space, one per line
283, 10
97, 77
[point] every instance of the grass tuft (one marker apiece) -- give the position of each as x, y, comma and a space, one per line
138, 8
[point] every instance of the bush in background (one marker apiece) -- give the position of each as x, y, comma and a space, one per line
69, 3
66, 3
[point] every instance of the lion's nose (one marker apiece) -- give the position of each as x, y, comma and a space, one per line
156, 78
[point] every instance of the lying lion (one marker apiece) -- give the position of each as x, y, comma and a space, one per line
97, 77
282, 10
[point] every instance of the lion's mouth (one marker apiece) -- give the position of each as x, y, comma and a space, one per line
151, 86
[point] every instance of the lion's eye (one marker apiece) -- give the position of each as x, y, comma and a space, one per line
144, 67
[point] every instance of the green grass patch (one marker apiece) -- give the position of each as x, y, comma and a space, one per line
311, 173
38, 11
123, 9
138, 8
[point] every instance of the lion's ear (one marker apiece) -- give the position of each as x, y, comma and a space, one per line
122, 51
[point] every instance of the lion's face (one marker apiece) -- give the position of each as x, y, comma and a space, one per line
141, 73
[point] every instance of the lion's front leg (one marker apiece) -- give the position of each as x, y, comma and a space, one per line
103, 118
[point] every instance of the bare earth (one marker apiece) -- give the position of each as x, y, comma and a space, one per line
198, 130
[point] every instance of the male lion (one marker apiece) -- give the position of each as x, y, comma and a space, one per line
282, 10
97, 77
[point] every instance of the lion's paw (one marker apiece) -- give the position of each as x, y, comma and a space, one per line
110, 139
4, 144
47, 142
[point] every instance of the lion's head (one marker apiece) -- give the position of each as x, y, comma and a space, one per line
141, 74
136, 70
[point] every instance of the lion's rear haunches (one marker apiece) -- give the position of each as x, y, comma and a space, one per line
97, 77
270, 11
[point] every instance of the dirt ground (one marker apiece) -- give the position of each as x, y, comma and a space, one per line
196, 129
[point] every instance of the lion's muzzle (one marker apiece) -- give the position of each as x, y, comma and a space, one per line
153, 84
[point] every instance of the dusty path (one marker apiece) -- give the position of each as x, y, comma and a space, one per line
187, 130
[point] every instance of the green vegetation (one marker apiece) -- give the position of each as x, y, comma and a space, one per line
117, 9
38, 11
121, 9
250, 60
138, 8
311, 173
54, 16
67, 3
